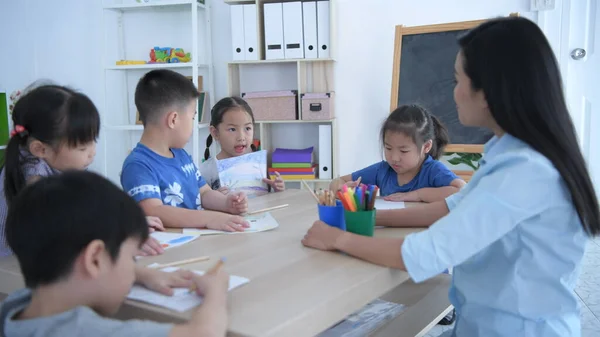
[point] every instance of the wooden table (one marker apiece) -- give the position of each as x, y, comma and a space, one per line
293, 290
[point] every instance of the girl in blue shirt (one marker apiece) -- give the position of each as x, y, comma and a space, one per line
516, 233
414, 140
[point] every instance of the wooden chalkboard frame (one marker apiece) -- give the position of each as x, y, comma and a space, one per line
401, 31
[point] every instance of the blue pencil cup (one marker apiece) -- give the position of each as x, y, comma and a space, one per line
333, 215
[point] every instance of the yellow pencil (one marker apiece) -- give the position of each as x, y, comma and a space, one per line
212, 270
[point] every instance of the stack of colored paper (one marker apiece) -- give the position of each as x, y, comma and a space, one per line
293, 164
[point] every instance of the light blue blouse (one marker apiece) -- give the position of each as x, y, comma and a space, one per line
516, 244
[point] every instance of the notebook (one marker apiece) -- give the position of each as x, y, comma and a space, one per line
182, 300
258, 223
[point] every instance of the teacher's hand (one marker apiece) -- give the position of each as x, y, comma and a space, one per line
322, 236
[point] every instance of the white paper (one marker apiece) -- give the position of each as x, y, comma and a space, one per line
381, 204
169, 240
258, 223
182, 300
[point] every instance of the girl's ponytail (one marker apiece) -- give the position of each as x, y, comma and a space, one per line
209, 141
14, 178
440, 139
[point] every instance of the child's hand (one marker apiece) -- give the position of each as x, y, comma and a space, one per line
322, 236
409, 196
154, 223
165, 282
229, 223
278, 184
151, 247
237, 203
353, 183
224, 190
212, 283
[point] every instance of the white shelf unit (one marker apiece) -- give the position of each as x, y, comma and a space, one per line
303, 75
131, 30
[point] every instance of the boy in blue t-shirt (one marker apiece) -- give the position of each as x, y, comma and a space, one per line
160, 175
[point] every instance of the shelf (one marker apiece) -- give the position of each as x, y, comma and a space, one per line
154, 4
295, 121
133, 127
239, 2
139, 127
307, 180
154, 66
282, 61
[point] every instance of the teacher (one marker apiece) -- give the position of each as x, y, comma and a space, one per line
516, 233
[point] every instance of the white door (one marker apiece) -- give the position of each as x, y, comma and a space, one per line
582, 79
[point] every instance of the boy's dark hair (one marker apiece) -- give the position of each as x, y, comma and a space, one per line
53, 115
161, 91
417, 123
219, 110
50, 222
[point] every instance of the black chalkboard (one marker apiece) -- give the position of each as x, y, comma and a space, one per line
427, 78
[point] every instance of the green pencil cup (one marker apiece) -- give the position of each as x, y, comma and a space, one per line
361, 223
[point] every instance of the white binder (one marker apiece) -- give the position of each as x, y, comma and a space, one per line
309, 20
323, 28
237, 32
250, 33
273, 16
325, 152
293, 39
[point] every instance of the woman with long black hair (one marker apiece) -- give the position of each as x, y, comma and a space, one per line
516, 233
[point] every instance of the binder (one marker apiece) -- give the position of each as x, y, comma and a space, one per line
309, 22
325, 152
293, 39
273, 16
250, 32
323, 28
237, 33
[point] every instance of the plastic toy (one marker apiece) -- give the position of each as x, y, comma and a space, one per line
168, 55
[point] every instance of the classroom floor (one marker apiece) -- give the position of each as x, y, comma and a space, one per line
588, 290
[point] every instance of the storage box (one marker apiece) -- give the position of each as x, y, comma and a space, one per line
273, 105
317, 106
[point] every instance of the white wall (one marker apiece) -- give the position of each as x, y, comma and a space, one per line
364, 52
62, 40
56, 40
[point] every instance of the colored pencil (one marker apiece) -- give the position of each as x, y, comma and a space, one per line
267, 209
181, 262
212, 270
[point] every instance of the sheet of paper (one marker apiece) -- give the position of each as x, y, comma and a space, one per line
245, 173
381, 204
170, 240
182, 300
258, 223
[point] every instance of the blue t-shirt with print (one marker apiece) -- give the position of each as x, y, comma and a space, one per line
432, 174
176, 181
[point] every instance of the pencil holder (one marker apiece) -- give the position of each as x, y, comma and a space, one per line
333, 215
361, 222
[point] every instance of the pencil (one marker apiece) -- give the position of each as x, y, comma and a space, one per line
181, 262
267, 209
310, 190
212, 270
